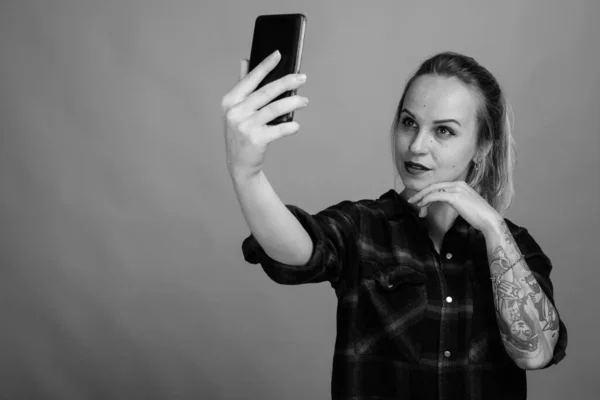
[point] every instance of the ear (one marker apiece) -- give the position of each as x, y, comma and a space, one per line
483, 152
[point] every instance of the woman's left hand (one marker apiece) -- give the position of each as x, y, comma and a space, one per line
464, 199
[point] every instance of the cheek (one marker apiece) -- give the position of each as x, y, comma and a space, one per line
402, 139
453, 162
401, 145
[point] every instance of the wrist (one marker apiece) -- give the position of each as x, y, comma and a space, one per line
240, 176
494, 226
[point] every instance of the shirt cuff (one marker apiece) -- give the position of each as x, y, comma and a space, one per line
320, 267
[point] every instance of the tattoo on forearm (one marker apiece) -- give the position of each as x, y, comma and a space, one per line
523, 310
544, 309
500, 265
515, 323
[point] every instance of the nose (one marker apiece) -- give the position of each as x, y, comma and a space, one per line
418, 144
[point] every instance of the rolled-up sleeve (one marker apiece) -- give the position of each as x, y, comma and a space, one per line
541, 266
334, 235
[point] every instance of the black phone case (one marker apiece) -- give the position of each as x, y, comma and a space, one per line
283, 32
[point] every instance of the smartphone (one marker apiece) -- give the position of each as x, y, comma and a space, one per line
283, 32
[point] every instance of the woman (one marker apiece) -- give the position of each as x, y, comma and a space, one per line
439, 296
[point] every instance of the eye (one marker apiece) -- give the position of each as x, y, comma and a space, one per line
407, 121
445, 131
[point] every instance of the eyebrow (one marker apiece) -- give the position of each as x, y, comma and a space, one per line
439, 121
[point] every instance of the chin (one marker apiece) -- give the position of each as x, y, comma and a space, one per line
416, 182
414, 186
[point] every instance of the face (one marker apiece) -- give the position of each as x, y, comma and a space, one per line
437, 129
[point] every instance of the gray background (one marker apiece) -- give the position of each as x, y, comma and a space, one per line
122, 275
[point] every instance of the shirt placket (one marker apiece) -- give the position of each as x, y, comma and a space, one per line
448, 342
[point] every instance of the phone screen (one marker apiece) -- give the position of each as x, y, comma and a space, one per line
283, 32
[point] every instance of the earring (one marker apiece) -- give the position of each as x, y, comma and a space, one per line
476, 165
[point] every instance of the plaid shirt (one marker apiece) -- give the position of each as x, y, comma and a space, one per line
411, 323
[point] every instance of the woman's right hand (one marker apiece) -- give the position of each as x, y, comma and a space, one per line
246, 116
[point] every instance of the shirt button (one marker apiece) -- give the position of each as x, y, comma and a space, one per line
448, 256
449, 299
447, 354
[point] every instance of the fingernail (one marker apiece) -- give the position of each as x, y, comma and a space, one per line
410, 199
275, 54
301, 77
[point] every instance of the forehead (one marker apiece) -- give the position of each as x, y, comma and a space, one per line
433, 97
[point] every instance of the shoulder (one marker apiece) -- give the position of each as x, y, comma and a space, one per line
350, 213
386, 206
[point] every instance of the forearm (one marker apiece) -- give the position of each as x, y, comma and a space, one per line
275, 228
527, 319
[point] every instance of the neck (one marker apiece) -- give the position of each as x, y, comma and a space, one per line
440, 216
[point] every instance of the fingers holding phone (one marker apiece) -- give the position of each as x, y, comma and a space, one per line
261, 106
248, 112
249, 81
262, 99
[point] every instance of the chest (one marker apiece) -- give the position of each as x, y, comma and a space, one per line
410, 307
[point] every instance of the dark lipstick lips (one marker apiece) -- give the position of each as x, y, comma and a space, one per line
416, 165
